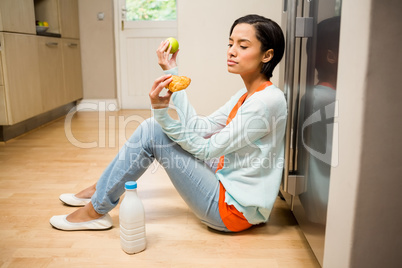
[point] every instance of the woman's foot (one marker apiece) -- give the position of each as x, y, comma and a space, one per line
87, 193
85, 218
86, 213
80, 199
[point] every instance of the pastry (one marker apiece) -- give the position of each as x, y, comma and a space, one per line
178, 83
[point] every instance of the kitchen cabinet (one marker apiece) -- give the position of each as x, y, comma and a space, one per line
60, 71
68, 11
51, 72
17, 16
38, 73
72, 69
20, 95
62, 16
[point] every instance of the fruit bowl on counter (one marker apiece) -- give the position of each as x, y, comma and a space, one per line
41, 29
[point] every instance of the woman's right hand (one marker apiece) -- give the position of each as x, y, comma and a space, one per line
157, 101
164, 60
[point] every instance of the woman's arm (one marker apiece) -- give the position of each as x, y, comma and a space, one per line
203, 126
250, 124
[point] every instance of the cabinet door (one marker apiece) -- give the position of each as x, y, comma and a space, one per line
69, 18
72, 69
17, 16
3, 102
51, 72
21, 76
3, 107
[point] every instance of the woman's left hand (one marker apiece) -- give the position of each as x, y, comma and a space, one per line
157, 101
163, 53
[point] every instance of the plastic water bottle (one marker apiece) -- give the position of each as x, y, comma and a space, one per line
132, 221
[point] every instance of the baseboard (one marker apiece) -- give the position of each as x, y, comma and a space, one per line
12, 131
92, 105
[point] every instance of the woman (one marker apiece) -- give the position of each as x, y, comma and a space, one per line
228, 166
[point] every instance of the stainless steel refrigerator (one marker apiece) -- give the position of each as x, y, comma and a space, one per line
310, 72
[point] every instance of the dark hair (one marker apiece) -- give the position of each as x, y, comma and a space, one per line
270, 35
328, 32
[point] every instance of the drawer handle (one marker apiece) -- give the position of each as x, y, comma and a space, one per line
52, 44
72, 44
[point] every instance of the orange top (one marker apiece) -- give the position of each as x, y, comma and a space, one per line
326, 84
233, 219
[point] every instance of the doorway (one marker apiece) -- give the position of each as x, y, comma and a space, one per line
140, 26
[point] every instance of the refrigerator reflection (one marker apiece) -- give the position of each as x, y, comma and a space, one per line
310, 80
317, 129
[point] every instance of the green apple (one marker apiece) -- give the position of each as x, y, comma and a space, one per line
175, 45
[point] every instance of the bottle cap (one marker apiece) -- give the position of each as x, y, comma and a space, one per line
131, 185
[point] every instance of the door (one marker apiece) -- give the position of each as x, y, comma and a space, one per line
142, 26
312, 33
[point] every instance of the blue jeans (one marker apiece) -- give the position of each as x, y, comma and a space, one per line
194, 179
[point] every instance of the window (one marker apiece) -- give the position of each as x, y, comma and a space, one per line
154, 10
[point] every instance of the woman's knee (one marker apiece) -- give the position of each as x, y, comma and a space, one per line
141, 134
151, 123
147, 131
151, 128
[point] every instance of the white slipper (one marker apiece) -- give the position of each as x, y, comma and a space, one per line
60, 222
72, 200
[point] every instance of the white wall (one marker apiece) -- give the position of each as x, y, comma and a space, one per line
203, 28
364, 213
97, 49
